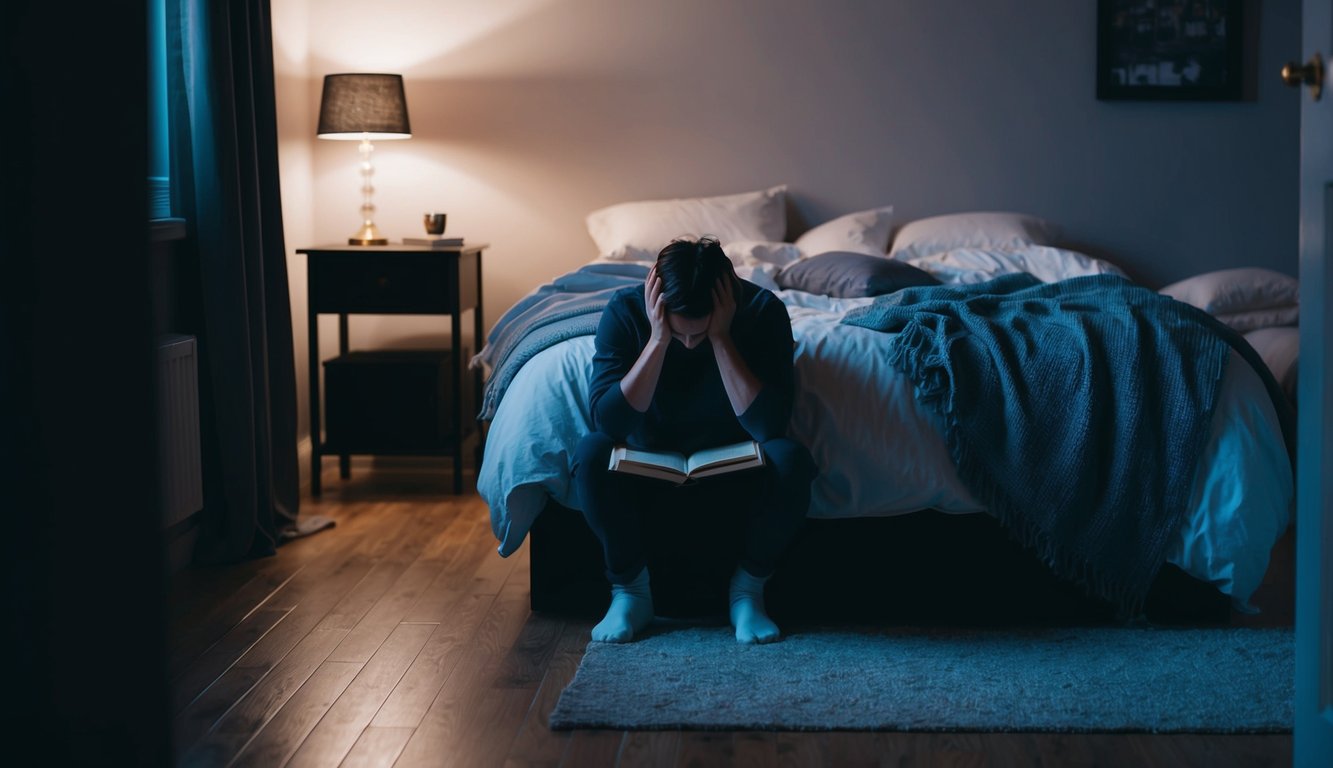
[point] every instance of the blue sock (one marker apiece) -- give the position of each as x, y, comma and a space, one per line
631, 610
747, 609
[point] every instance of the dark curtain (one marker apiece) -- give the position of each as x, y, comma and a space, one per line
225, 178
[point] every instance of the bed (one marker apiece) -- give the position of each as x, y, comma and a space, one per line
889, 497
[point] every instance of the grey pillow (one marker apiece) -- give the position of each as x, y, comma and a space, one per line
844, 274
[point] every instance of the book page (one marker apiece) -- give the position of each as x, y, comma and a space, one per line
722, 455
672, 461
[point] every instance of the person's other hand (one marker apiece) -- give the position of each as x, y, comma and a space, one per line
724, 306
655, 306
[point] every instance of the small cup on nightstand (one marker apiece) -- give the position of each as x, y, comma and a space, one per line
435, 223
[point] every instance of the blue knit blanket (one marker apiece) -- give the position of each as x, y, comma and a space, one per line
1075, 411
569, 306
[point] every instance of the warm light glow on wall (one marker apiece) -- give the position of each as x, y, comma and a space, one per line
403, 35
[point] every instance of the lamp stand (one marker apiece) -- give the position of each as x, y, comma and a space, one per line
369, 234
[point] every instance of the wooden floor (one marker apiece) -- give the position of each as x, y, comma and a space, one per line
401, 638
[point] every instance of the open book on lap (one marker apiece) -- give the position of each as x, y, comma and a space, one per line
678, 468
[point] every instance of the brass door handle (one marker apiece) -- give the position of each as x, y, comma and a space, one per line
1311, 73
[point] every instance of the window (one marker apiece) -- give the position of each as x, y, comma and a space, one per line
159, 135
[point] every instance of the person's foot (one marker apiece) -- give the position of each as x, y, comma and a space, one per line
747, 610
631, 610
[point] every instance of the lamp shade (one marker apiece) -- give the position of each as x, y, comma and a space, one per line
361, 105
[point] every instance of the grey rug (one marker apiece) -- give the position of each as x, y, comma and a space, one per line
1223, 680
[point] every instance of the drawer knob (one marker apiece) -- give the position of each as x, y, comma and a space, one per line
382, 281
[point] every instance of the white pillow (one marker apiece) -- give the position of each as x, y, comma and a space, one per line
861, 232
1047, 264
1280, 350
986, 230
1261, 318
1245, 298
748, 253
638, 230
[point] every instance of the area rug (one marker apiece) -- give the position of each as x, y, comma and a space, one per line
1094, 679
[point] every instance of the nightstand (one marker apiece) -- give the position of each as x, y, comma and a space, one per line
394, 280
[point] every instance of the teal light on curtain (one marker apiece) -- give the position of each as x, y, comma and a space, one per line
225, 174
159, 141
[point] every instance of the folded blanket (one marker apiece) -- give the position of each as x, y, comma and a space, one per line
569, 306
1074, 410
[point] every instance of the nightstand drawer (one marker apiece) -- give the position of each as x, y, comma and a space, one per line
384, 283
393, 401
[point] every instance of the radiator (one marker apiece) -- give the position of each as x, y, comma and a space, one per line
180, 471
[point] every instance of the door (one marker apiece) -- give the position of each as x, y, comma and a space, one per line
1313, 744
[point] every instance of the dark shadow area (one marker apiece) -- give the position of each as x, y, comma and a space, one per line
926, 567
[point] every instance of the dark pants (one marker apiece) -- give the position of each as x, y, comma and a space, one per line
774, 499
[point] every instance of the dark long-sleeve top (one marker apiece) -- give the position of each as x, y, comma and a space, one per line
690, 409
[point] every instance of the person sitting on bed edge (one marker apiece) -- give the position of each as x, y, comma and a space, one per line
697, 358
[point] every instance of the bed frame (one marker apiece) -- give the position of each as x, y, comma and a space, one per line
923, 567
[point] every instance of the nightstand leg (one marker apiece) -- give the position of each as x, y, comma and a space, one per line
344, 341
316, 428
456, 373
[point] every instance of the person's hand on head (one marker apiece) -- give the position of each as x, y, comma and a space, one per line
655, 305
724, 306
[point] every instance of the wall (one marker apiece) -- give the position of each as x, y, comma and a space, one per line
291, 70
528, 114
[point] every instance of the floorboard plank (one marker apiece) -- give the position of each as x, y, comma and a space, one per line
796, 750
448, 643
853, 748
706, 748
399, 554
192, 723
413, 585
461, 559
1214, 751
280, 737
589, 749
956, 750
493, 571
449, 726
230, 733
252, 584
1010, 750
193, 632
754, 748
486, 731
336, 734
218, 659
649, 748
307, 597
536, 743
304, 612
377, 748
526, 662
1076, 750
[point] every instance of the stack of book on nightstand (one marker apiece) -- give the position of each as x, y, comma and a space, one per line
434, 241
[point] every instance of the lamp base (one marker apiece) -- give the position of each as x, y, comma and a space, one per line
369, 234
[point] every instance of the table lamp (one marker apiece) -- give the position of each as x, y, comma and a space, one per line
361, 107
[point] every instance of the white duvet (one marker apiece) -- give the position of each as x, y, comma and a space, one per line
880, 454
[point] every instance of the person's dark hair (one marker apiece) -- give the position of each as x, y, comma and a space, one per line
689, 268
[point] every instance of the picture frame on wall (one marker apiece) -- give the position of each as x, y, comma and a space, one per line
1173, 50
